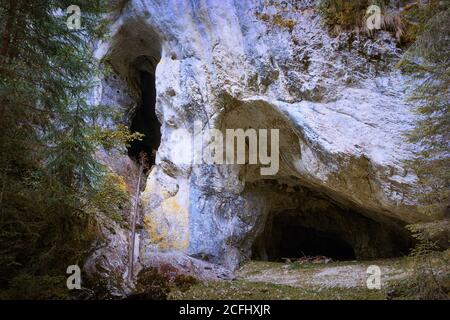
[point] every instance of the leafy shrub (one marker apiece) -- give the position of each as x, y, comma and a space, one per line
428, 282
112, 197
112, 138
427, 62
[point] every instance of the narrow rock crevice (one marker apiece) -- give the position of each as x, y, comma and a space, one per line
134, 58
145, 120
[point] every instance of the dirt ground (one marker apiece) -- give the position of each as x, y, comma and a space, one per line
335, 280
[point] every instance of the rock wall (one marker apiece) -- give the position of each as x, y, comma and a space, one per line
338, 102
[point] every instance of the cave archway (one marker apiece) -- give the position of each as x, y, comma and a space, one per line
313, 224
299, 217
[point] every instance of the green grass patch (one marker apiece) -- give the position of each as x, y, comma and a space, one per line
246, 290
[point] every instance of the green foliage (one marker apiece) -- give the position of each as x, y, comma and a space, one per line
425, 245
47, 167
415, 17
427, 61
427, 283
111, 138
111, 197
26, 286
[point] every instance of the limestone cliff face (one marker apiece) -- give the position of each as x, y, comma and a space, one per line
338, 102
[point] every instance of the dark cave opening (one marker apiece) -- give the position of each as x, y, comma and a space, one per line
317, 225
289, 239
145, 120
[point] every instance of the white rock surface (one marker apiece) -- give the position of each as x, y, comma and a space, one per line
339, 103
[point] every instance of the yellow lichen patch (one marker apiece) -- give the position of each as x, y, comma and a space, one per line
172, 205
166, 212
121, 184
157, 231
178, 215
168, 225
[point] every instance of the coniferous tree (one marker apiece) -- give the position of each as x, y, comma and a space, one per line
47, 167
428, 61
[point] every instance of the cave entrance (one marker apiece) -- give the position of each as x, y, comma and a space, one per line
297, 216
144, 119
289, 239
305, 223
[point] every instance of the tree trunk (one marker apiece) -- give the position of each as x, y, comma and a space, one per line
7, 32
133, 222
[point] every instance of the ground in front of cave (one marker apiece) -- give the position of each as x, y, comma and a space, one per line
340, 280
